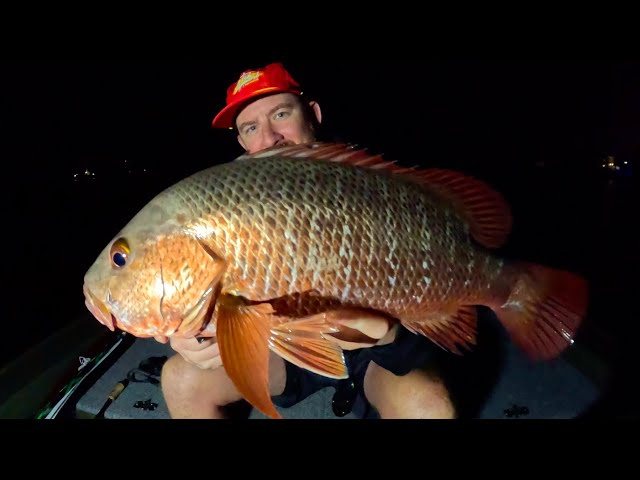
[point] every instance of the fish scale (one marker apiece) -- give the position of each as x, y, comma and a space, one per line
384, 272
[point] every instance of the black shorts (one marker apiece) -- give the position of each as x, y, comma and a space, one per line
407, 352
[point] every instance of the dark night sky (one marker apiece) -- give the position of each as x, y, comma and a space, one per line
494, 120
66, 116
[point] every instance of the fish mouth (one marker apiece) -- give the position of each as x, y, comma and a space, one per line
195, 321
98, 309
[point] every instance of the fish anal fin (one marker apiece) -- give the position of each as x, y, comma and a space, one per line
449, 329
243, 337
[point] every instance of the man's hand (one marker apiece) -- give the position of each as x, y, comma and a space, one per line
205, 355
363, 333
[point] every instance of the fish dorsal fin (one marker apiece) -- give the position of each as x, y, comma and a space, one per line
484, 208
332, 152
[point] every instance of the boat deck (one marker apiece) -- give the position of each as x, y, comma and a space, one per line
551, 390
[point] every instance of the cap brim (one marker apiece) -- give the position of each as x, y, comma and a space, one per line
227, 115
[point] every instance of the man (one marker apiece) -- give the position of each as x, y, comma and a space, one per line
266, 108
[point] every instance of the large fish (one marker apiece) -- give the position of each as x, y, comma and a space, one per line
276, 250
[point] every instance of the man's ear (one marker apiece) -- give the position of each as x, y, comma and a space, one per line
315, 106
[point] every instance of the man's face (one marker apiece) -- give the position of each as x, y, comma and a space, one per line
274, 120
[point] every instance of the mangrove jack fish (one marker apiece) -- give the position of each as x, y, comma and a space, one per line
278, 249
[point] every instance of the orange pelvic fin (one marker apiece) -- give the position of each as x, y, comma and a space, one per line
448, 329
246, 333
544, 309
304, 342
243, 337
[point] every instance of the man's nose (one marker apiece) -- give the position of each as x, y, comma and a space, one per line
271, 137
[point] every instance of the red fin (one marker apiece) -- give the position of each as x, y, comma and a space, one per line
484, 208
303, 342
544, 309
243, 338
333, 152
448, 330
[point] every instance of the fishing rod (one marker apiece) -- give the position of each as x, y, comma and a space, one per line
54, 407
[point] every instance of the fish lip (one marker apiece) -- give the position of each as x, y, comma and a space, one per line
99, 309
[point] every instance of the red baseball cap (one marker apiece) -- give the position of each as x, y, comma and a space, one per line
273, 78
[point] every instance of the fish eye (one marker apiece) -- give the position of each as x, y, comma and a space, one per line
120, 252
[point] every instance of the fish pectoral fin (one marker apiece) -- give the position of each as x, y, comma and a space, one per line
305, 343
243, 337
448, 328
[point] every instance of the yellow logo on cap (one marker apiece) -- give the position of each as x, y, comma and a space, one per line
245, 79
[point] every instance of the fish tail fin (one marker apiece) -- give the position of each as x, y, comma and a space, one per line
543, 310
